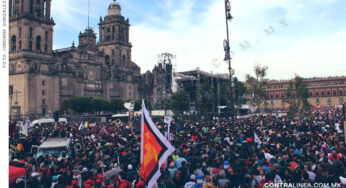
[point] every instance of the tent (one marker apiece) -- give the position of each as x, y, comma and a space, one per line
16, 172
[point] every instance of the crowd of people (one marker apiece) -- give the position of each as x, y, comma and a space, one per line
208, 153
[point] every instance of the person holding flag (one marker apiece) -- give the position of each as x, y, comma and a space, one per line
155, 149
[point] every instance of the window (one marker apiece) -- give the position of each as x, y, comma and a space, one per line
341, 92
334, 92
13, 43
46, 36
31, 6
107, 60
282, 95
311, 93
277, 95
38, 43
317, 100
317, 93
43, 82
108, 30
30, 33
45, 48
43, 92
20, 32
30, 45
328, 92
20, 45
124, 59
11, 90
322, 93
112, 52
43, 101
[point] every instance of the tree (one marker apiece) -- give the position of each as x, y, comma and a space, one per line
255, 85
138, 104
116, 105
179, 103
101, 105
297, 97
239, 91
80, 104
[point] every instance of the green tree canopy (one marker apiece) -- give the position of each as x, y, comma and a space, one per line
179, 103
80, 104
116, 105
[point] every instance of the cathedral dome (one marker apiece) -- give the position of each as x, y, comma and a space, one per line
114, 9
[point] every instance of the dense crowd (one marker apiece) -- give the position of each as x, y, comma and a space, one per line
213, 153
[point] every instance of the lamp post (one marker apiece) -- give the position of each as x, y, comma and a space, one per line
228, 56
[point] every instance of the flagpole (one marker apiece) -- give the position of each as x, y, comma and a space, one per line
142, 130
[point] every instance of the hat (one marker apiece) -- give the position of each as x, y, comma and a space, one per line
85, 169
54, 178
193, 177
74, 182
129, 166
225, 164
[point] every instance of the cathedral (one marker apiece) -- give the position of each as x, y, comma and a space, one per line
41, 79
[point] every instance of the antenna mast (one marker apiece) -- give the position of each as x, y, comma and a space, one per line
88, 12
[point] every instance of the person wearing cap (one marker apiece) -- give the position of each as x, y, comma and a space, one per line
130, 173
200, 181
192, 182
172, 169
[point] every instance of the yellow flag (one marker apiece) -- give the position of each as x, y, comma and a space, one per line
86, 124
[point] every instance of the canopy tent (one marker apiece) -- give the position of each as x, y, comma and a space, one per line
15, 172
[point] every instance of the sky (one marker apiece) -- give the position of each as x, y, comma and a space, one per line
303, 37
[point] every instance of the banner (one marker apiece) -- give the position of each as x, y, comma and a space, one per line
155, 149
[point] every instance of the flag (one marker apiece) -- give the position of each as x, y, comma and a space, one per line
155, 149
168, 121
93, 125
86, 124
90, 125
257, 140
81, 126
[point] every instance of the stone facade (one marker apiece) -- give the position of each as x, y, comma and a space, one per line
42, 80
329, 91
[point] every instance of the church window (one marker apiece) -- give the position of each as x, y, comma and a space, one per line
13, 43
112, 52
30, 33
31, 6
30, 45
124, 59
20, 32
20, 45
107, 60
46, 36
38, 43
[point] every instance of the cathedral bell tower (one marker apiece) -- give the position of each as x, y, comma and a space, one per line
30, 58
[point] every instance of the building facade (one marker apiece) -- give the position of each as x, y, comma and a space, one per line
330, 91
41, 79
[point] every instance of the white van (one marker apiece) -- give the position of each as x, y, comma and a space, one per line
59, 147
39, 122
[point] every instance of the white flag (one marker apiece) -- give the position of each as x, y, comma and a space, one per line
257, 140
167, 120
81, 126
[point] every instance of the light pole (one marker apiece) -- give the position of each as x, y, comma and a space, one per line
228, 56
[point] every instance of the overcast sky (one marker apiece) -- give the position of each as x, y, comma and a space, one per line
304, 37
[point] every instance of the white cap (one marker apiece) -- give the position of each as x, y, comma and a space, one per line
129, 166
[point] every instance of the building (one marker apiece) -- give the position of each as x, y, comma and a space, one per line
191, 82
330, 91
41, 79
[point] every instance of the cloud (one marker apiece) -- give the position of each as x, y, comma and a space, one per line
194, 30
